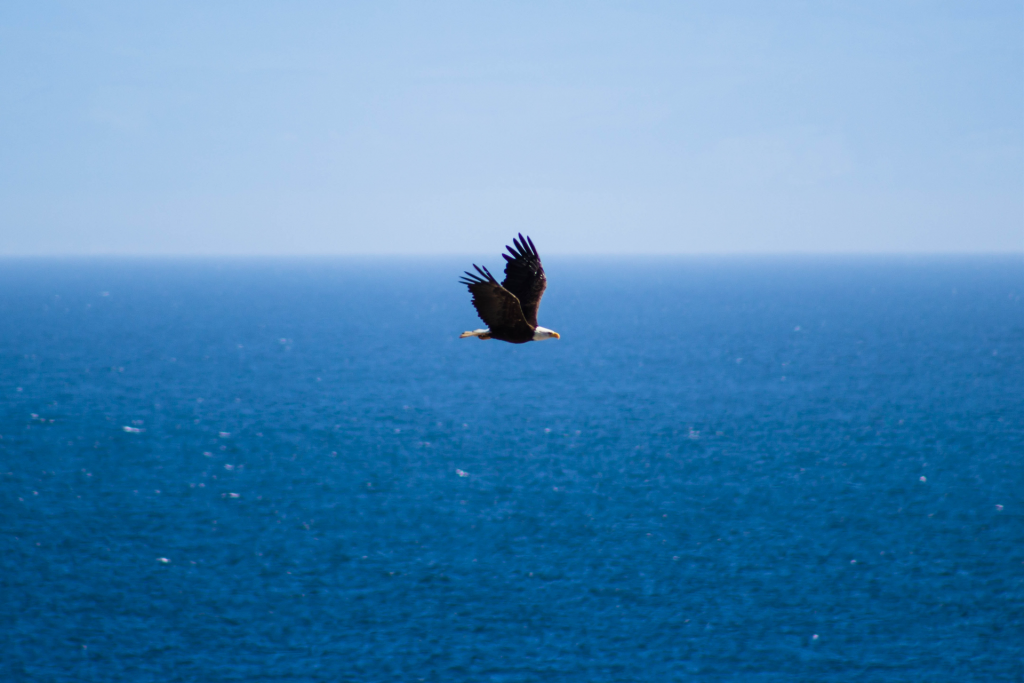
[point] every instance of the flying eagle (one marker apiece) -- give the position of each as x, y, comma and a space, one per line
510, 309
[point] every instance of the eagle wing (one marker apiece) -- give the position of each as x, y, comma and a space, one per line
496, 306
524, 276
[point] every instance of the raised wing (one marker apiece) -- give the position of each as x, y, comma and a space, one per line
496, 306
524, 276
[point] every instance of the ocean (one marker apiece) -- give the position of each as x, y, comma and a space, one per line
727, 469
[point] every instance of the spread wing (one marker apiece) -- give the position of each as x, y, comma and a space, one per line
524, 276
496, 306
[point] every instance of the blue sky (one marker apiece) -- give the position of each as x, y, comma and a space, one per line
422, 128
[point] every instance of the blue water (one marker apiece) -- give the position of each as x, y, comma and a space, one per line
725, 470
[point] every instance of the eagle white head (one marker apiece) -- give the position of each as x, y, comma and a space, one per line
542, 333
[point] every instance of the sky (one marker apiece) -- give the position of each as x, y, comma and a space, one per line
305, 128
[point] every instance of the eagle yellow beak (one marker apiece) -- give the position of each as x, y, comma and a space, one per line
556, 335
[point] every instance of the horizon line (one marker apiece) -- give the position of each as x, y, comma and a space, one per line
475, 254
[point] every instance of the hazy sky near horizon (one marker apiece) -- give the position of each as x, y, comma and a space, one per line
446, 127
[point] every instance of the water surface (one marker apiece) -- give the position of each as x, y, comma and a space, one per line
725, 470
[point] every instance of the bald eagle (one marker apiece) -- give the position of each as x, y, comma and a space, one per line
510, 309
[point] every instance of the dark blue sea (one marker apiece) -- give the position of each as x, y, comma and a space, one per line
727, 469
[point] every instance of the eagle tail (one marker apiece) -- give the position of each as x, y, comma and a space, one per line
483, 334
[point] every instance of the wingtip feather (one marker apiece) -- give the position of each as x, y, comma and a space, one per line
524, 248
470, 279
